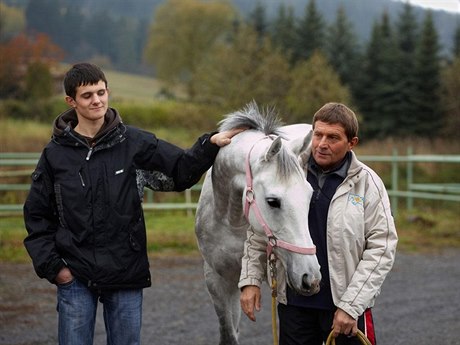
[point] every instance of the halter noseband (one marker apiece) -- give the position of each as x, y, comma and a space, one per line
250, 200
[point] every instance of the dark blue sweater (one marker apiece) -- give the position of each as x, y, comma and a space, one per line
324, 185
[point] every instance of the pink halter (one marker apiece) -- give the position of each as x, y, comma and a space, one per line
251, 201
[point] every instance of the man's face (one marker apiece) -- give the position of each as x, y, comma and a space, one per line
330, 144
91, 101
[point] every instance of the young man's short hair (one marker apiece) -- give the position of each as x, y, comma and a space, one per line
82, 74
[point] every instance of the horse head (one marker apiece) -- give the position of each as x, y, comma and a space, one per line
276, 203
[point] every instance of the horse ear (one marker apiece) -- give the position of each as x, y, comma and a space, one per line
275, 147
300, 145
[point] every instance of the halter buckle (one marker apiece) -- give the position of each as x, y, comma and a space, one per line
273, 241
250, 195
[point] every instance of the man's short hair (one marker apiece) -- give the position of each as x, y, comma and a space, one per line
82, 74
338, 113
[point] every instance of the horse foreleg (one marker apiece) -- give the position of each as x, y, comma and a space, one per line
226, 299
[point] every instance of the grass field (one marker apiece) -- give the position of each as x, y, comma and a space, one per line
172, 232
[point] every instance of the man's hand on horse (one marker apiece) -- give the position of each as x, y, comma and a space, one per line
250, 300
225, 137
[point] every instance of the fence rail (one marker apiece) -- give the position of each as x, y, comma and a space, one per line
23, 164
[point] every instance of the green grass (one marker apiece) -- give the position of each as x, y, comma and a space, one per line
172, 233
124, 86
168, 232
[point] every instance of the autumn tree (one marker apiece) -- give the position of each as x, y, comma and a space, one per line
20, 53
12, 22
243, 69
182, 34
314, 83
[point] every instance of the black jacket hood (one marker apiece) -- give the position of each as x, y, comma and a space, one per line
68, 120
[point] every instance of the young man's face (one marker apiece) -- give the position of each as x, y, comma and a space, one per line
330, 144
91, 101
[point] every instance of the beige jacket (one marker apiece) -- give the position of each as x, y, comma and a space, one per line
361, 241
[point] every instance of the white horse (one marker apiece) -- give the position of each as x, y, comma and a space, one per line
261, 173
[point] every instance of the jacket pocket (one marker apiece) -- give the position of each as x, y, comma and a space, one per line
59, 204
137, 236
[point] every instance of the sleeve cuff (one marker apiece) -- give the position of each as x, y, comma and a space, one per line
249, 281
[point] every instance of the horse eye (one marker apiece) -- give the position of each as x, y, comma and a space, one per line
273, 202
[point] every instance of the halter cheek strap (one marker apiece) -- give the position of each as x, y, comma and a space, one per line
250, 201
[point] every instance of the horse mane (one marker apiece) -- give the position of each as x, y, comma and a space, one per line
268, 123
252, 117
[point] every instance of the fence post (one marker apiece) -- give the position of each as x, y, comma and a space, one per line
410, 178
188, 200
394, 182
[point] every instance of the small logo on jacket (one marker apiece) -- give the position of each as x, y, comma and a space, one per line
118, 172
356, 199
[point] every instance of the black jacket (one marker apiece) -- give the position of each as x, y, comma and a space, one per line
83, 209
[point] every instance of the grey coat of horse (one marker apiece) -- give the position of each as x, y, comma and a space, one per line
283, 198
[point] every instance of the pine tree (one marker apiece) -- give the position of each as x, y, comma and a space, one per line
258, 21
406, 41
427, 67
450, 98
456, 47
342, 48
309, 33
283, 31
378, 95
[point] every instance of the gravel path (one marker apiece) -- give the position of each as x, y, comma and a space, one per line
418, 305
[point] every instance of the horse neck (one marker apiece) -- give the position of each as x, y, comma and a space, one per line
229, 180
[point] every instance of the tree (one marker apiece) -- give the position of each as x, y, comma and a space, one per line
450, 99
427, 68
181, 35
406, 42
258, 20
283, 31
55, 19
241, 70
309, 33
342, 48
107, 29
12, 22
456, 46
314, 83
18, 54
39, 81
378, 96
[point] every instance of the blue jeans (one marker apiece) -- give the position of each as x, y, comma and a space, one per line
77, 306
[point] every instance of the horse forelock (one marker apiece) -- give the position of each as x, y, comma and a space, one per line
288, 164
251, 117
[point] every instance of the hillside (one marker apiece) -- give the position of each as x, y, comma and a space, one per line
362, 13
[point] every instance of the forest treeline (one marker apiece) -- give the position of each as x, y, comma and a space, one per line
400, 81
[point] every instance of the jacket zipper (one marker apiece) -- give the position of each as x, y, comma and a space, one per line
88, 156
81, 179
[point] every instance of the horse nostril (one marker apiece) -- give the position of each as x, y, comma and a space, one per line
305, 284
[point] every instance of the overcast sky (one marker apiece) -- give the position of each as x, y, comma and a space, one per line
447, 5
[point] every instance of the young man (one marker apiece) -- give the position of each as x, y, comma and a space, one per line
86, 230
352, 227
